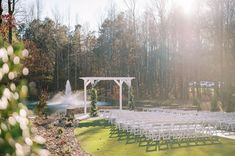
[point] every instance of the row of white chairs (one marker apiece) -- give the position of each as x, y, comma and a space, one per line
161, 126
220, 120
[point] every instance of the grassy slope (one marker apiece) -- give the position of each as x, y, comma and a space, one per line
94, 139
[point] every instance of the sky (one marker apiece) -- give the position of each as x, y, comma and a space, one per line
81, 11
90, 13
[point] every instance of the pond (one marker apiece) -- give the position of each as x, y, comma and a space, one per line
59, 107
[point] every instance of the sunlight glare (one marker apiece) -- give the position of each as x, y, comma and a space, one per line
186, 5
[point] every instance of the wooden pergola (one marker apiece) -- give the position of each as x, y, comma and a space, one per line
94, 80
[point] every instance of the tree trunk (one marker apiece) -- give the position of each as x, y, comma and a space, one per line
1, 10
11, 8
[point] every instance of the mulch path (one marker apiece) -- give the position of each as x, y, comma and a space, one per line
60, 141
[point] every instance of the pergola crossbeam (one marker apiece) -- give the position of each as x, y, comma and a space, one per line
117, 82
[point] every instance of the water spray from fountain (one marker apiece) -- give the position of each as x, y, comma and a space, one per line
68, 90
68, 99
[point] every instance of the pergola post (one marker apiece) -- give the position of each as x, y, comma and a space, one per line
86, 83
85, 94
120, 94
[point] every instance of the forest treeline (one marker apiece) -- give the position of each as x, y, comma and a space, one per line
163, 48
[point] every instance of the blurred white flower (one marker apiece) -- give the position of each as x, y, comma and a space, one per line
25, 71
15, 115
44, 152
4, 126
3, 52
19, 150
5, 58
10, 50
7, 93
23, 113
3, 104
13, 86
39, 139
28, 141
12, 120
26, 133
25, 53
5, 68
11, 75
16, 60
17, 145
16, 96
23, 122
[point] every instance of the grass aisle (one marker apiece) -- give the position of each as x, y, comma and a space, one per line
94, 139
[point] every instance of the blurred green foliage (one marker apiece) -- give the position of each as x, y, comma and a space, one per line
15, 132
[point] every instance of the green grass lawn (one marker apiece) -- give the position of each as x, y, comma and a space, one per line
94, 139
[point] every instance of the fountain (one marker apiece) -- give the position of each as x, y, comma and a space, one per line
67, 100
68, 90
63, 101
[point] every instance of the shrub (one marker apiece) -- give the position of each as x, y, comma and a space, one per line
131, 102
197, 103
228, 100
15, 133
41, 108
167, 102
66, 120
214, 105
93, 112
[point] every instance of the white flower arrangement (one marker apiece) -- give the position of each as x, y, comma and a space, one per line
10, 69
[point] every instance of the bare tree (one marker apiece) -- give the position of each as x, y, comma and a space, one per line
1, 11
39, 8
58, 18
11, 9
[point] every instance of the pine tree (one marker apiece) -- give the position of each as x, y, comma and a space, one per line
93, 112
